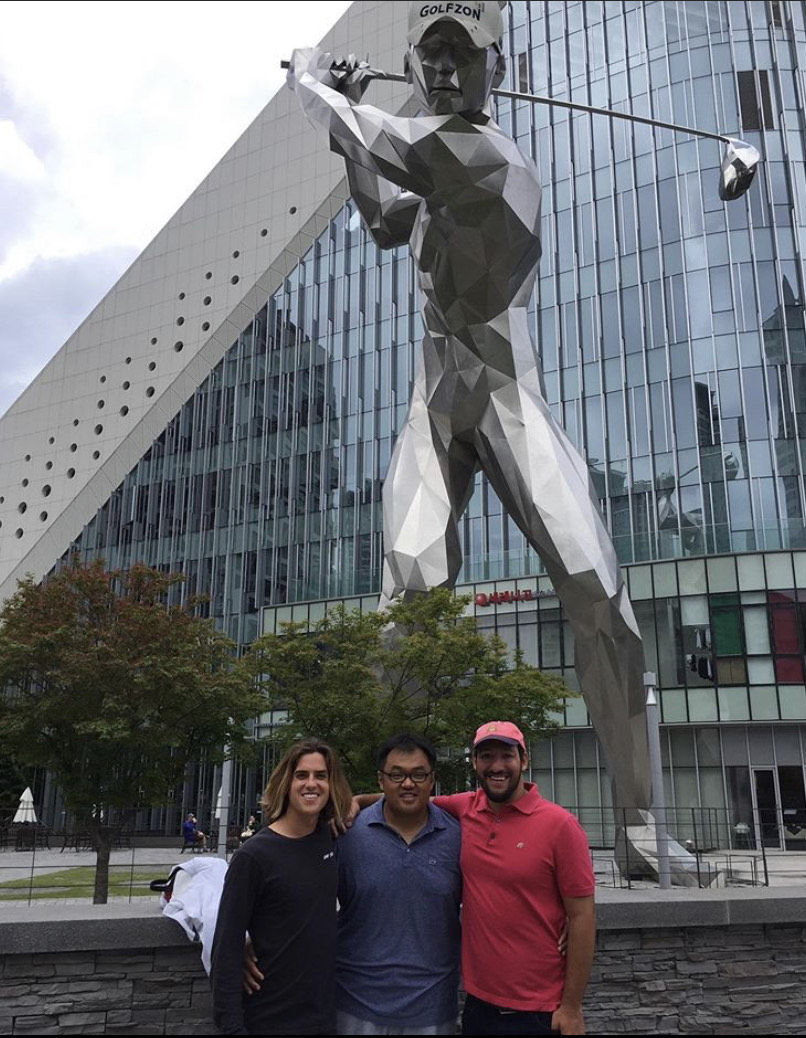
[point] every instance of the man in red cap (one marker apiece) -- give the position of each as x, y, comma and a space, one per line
526, 868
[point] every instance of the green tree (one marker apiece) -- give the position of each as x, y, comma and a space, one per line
113, 690
423, 666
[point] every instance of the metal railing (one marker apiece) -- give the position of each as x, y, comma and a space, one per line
723, 847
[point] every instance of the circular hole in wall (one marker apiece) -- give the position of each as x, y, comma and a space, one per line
46, 490
51, 440
124, 410
236, 254
180, 320
181, 295
152, 365
206, 326
75, 422
18, 534
101, 403
179, 346
208, 275
27, 457
150, 391
48, 465
25, 482
71, 473
129, 360
22, 507
43, 516
73, 447
207, 300
292, 210
264, 232
154, 341
126, 385
234, 279
96, 455
98, 430
102, 379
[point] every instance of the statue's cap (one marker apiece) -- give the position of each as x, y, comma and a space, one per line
482, 21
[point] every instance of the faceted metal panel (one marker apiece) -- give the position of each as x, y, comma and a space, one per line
468, 201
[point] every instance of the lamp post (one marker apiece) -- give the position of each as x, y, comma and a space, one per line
656, 771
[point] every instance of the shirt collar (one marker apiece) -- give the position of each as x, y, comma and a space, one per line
436, 820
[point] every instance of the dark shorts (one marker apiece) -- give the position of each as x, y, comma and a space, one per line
482, 1018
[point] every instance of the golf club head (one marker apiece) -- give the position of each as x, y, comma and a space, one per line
739, 165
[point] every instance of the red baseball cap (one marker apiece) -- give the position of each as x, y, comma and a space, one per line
503, 731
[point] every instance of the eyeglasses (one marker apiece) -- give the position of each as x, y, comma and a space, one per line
398, 775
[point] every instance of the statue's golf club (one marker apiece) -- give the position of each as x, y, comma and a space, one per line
739, 162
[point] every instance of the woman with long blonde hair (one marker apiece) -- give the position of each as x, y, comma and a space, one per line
280, 889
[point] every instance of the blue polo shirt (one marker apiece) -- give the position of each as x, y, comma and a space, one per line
397, 960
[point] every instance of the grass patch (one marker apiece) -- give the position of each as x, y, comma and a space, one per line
80, 882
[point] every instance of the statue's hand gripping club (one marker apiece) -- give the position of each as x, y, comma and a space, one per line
349, 76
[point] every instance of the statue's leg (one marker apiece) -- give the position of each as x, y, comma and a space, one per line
543, 483
426, 490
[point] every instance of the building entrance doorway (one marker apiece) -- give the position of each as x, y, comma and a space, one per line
779, 796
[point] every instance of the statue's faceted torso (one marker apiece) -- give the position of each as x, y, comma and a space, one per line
476, 240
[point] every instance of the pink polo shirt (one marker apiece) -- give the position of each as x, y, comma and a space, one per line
517, 866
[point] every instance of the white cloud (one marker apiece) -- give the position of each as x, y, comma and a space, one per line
112, 113
17, 159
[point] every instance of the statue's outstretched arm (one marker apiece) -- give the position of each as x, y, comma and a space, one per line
387, 146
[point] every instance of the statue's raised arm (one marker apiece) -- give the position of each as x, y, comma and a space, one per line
385, 145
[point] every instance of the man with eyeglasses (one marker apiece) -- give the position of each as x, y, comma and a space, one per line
400, 890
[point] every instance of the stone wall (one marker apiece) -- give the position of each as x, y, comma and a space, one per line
99, 970
687, 962
722, 980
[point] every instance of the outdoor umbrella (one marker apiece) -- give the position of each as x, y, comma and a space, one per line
26, 812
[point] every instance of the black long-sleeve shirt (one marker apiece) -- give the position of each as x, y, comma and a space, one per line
283, 892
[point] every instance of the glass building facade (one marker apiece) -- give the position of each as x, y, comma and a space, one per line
671, 331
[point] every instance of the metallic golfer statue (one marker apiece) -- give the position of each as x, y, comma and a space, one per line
454, 187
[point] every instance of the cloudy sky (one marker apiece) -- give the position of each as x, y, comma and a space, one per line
110, 115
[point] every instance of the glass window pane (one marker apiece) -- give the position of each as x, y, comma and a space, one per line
779, 570
576, 715
764, 703
789, 670
727, 630
733, 704
640, 582
665, 580
793, 702
784, 629
691, 576
760, 671
694, 612
751, 572
673, 704
702, 704
756, 630
800, 569
722, 574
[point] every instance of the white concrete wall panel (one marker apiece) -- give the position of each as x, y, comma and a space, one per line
89, 416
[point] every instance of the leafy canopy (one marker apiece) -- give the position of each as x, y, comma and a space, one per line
423, 666
113, 690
